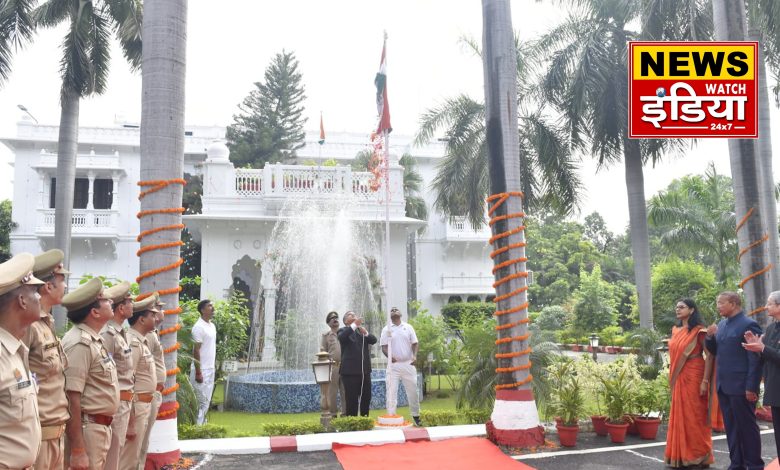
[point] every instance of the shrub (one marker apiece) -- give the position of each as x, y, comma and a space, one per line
207, 431
352, 423
438, 418
672, 280
442, 394
552, 318
188, 402
293, 429
476, 416
609, 335
455, 312
595, 304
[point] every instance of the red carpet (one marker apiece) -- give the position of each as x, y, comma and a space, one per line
466, 453
774, 465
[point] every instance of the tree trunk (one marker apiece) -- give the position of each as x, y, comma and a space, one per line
67, 149
640, 240
514, 420
729, 20
766, 183
162, 158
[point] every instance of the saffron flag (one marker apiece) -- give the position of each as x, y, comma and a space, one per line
322, 131
382, 107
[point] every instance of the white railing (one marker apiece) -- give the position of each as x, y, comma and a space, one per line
83, 220
466, 282
286, 180
460, 228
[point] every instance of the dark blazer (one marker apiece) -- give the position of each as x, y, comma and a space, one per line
355, 351
771, 360
738, 370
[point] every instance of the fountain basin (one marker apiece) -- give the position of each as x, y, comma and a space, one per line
294, 391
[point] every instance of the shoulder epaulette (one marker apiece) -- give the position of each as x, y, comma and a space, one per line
85, 338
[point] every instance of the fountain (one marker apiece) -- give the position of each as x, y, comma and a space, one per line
319, 260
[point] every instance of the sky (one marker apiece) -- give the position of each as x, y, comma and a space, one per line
338, 45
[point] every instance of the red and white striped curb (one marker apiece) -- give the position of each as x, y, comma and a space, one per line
325, 441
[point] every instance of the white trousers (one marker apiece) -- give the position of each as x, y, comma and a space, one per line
406, 373
203, 391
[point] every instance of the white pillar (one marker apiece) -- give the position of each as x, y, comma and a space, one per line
114, 192
91, 177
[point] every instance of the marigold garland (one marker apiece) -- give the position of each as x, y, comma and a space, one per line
497, 200
154, 186
160, 246
751, 246
152, 231
166, 413
172, 311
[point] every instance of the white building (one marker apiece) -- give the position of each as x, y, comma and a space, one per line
446, 261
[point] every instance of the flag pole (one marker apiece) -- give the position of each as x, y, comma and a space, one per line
387, 228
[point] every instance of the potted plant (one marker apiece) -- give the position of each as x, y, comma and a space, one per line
618, 396
569, 405
648, 406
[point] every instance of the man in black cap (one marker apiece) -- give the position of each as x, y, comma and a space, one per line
330, 344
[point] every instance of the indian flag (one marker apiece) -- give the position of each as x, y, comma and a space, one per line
322, 131
382, 106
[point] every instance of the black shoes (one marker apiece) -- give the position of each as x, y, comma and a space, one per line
417, 421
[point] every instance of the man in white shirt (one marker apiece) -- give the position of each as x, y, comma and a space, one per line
204, 335
399, 345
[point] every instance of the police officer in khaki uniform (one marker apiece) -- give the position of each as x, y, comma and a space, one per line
47, 361
20, 426
115, 341
159, 363
90, 378
141, 323
330, 344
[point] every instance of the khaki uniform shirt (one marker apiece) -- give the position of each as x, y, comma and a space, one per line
145, 374
90, 371
48, 362
115, 341
157, 352
21, 428
330, 344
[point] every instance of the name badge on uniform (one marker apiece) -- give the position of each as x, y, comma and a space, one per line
106, 359
51, 346
23, 384
127, 351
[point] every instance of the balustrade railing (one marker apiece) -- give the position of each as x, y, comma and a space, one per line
82, 219
278, 179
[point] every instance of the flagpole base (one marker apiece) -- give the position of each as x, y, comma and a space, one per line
515, 420
163, 441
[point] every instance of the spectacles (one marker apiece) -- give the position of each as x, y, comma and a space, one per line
680, 307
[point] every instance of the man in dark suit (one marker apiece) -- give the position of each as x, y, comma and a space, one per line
738, 376
768, 346
355, 341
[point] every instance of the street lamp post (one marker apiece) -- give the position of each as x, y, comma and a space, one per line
24, 109
322, 367
594, 346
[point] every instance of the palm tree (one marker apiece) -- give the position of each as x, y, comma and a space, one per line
16, 28
586, 79
84, 69
548, 172
412, 184
162, 158
515, 419
729, 19
697, 214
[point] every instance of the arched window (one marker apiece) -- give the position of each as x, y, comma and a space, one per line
454, 298
473, 298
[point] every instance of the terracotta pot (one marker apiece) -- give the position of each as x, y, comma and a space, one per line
617, 432
630, 419
610, 350
568, 435
647, 427
575, 347
599, 425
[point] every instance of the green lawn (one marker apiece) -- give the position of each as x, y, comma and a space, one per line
251, 424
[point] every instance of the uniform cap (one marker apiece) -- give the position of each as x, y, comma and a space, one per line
118, 293
157, 301
85, 295
16, 272
49, 262
143, 305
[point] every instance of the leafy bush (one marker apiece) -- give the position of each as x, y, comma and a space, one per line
442, 394
188, 402
438, 418
293, 429
568, 401
609, 335
673, 280
431, 333
455, 312
352, 423
207, 431
553, 318
476, 416
595, 305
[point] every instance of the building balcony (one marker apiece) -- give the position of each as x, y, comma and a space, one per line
85, 222
459, 229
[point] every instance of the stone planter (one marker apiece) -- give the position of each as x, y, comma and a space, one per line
567, 435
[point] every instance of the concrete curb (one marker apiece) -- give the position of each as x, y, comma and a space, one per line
326, 441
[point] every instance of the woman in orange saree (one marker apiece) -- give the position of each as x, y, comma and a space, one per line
689, 437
